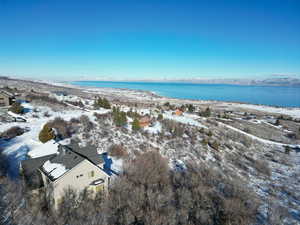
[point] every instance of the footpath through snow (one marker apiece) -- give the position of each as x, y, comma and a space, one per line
257, 138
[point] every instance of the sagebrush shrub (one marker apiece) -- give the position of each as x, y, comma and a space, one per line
17, 108
12, 132
117, 151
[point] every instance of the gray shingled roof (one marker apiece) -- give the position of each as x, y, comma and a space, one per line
29, 166
90, 152
66, 157
69, 157
6, 93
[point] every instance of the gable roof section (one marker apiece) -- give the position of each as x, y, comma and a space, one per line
58, 165
68, 158
89, 152
84, 161
29, 166
6, 93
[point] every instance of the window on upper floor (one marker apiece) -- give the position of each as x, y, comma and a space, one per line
91, 174
100, 188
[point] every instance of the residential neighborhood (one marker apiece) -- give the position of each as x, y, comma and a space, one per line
106, 153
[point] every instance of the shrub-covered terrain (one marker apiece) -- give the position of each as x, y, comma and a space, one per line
216, 163
148, 193
12, 132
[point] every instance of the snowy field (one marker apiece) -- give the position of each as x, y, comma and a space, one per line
28, 144
186, 118
293, 112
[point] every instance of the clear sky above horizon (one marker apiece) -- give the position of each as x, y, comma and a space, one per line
158, 39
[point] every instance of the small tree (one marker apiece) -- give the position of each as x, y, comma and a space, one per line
80, 104
16, 108
287, 149
182, 108
191, 108
102, 102
209, 133
46, 134
132, 114
215, 145
206, 113
136, 125
123, 119
105, 103
119, 117
160, 117
167, 104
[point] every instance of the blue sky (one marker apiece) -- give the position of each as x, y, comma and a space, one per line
159, 39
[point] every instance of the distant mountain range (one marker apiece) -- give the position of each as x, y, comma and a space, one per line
267, 82
287, 81
282, 81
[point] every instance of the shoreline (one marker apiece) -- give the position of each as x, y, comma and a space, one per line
150, 97
289, 111
154, 94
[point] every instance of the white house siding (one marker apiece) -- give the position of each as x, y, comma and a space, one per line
78, 179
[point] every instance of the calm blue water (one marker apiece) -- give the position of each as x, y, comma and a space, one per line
276, 96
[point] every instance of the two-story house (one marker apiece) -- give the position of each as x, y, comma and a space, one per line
73, 167
6, 98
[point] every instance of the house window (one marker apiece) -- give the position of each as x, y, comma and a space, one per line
100, 188
91, 174
59, 201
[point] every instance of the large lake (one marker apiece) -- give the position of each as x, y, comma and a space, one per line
267, 95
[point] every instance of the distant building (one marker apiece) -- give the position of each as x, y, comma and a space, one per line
178, 112
250, 117
72, 168
272, 121
144, 121
60, 93
6, 98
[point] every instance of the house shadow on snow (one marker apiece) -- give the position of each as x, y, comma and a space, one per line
13, 158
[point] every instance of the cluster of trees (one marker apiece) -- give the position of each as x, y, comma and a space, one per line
173, 127
136, 125
188, 107
147, 193
119, 117
205, 113
133, 114
44, 100
76, 103
17, 108
169, 106
102, 102
160, 117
